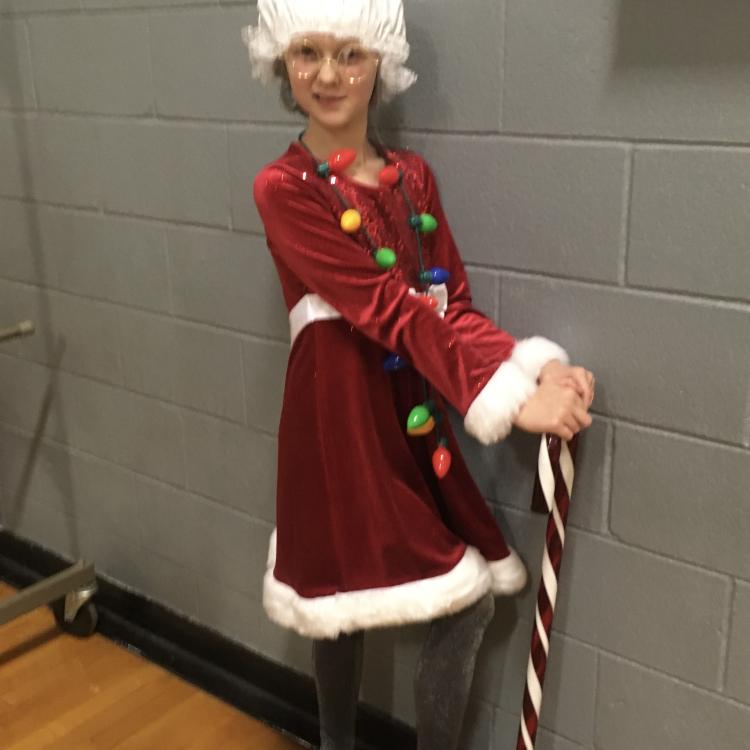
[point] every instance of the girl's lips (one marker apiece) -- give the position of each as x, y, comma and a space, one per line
328, 101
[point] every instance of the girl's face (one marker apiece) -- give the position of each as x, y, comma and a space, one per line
332, 78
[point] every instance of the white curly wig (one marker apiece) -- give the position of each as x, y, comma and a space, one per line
378, 24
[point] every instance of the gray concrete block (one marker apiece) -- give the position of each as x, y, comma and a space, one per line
75, 334
214, 81
232, 464
655, 611
638, 599
176, 172
265, 373
551, 741
505, 473
477, 728
684, 498
250, 149
627, 69
485, 291
447, 96
226, 279
27, 6
49, 159
30, 399
18, 303
689, 221
639, 708
109, 73
32, 474
657, 360
105, 257
230, 612
131, 430
154, 576
532, 205
179, 362
47, 527
145, 4
570, 684
282, 645
388, 685
209, 539
15, 67
506, 731
738, 673
70, 483
22, 251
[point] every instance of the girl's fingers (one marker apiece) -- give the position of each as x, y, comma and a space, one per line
585, 382
582, 417
568, 381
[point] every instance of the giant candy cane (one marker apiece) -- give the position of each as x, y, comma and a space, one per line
552, 492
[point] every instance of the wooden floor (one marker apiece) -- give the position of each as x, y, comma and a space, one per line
58, 692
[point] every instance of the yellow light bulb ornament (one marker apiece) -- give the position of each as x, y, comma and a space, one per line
351, 221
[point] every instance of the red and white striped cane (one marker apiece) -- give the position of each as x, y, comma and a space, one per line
552, 492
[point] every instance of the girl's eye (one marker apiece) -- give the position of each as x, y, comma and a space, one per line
352, 55
309, 53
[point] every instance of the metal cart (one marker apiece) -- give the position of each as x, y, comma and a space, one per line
69, 592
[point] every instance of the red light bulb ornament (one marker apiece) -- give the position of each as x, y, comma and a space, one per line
428, 300
441, 459
389, 176
342, 159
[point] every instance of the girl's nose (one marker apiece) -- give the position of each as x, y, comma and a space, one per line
328, 71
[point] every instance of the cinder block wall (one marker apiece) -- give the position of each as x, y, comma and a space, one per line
593, 158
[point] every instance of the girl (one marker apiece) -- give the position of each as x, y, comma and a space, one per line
378, 519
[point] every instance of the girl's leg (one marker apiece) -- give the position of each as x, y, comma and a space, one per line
444, 673
337, 665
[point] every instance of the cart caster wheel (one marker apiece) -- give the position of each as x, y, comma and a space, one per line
83, 624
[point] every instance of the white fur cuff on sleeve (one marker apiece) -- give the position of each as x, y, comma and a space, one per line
491, 414
533, 353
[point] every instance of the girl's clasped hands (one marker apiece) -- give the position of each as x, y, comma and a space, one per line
560, 403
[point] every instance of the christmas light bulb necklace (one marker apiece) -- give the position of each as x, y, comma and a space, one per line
424, 417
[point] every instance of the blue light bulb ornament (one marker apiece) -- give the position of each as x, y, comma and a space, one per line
394, 362
435, 275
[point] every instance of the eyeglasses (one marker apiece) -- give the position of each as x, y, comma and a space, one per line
353, 61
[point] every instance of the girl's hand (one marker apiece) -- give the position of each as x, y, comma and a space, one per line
578, 378
554, 408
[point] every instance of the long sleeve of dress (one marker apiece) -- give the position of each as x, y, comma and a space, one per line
304, 235
495, 344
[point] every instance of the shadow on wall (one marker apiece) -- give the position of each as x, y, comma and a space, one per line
21, 465
652, 33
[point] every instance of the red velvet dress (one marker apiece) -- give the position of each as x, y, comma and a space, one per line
366, 535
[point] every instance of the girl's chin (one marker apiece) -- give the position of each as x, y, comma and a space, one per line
333, 119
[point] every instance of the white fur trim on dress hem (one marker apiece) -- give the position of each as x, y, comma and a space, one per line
509, 575
416, 601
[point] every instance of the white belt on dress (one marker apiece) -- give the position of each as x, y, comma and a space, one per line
313, 307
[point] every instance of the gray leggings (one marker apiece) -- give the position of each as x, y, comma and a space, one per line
442, 679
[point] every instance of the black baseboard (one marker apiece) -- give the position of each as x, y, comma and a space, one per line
272, 693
